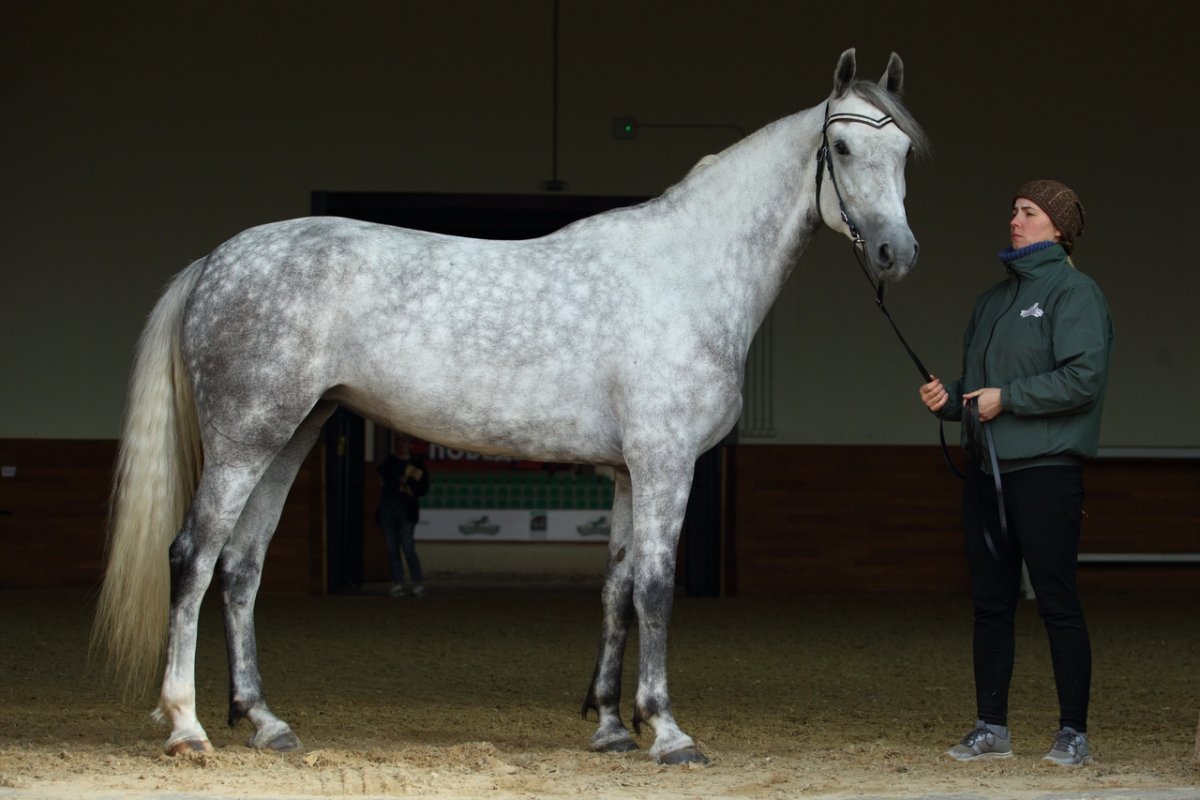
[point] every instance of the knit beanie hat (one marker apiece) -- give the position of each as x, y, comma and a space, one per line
1060, 204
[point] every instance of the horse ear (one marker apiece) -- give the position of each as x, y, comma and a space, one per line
893, 76
843, 75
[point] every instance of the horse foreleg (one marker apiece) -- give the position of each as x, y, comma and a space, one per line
240, 567
604, 694
660, 500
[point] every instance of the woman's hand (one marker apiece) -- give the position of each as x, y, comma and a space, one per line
933, 394
988, 402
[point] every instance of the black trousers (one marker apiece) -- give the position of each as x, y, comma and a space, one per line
1044, 507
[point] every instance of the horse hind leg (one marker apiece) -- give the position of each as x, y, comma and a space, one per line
604, 694
240, 567
220, 498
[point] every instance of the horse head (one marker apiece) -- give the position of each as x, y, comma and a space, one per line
867, 135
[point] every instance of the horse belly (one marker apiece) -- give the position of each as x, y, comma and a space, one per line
546, 416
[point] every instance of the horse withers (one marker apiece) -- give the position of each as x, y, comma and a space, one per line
618, 340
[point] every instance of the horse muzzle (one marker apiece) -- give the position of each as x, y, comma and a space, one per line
892, 253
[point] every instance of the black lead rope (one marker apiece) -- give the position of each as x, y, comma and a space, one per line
972, 410
858, 245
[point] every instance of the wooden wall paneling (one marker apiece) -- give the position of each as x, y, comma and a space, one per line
861, 518
833, 518
53, 514
802, 519
1141, 506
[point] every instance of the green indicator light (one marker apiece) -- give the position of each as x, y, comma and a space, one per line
624, 128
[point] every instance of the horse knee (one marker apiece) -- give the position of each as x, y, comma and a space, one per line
652, 595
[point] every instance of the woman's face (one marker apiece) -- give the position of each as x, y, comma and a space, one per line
1030, 225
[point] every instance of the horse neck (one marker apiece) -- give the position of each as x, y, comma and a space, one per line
752, 212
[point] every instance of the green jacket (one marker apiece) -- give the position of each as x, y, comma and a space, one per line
1043, 337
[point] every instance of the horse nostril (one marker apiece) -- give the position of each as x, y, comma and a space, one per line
885, 256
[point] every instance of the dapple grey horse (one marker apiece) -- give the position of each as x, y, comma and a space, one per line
618, 340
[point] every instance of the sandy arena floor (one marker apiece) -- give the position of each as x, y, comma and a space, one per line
474, 691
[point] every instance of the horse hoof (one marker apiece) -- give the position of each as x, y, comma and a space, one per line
285, 742
618, 746
684, 755
190, 747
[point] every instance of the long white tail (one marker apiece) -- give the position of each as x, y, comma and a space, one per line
154, 480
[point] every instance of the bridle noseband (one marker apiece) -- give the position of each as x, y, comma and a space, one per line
825, 162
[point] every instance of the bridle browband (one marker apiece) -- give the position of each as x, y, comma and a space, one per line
858, 244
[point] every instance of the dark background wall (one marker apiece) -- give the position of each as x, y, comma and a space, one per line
138, 138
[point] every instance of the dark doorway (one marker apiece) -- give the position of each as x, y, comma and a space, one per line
480, 216
344, 440
705, 540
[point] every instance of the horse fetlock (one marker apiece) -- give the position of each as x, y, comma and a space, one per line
673, 746
270, 732
603, 698
238, 711
620, 742
612, 737
590, 703
648, 711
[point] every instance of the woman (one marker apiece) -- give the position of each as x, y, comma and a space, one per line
1035, 365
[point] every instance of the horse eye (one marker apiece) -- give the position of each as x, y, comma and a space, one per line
841, 148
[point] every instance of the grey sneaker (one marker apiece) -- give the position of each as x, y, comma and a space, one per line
982, 742
1070, 749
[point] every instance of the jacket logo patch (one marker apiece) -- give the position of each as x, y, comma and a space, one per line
1032, 311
